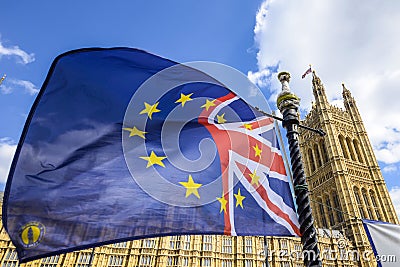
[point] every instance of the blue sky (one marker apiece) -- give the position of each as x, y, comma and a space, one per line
345, 42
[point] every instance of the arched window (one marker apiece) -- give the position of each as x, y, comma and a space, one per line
358, 150
366, 202
375, 204
317, 154
358, 200
324, 151
336, 205
343, 146
311, 159
330, 212
350, 147
322, 213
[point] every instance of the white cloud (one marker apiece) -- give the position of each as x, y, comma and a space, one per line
29, 87
395, 196
23, 57
345, 42
390, 168
7, 150
5, 90
260, 78
9, 85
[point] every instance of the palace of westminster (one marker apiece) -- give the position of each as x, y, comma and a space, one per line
345, 184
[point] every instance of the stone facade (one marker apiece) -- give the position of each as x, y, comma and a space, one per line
345, 181
196, 251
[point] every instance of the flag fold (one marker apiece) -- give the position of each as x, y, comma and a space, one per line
385, 239
121, 144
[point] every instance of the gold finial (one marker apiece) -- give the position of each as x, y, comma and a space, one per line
2, 79
286, 97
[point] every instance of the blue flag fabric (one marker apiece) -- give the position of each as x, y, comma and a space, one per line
121, 144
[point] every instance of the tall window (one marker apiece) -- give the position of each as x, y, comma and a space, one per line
311, 159
369, 209
336, 203
358, 200
175, 242
115, 260
249, 245
318, 155
83, 259
172, 261
207, 242
50, 261
350, 147
322, 213
330, 212
186, 242
226, 263
185, 261
283, 243
149, 243
226, 244
11, 259
324, 151
358, 150
206, 262
375, 204
145, 261
248, 263
343, 146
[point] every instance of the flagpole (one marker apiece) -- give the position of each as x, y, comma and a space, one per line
288, 103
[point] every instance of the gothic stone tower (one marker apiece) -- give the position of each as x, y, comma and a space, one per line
342, 171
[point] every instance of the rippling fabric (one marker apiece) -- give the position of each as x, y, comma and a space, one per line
102, 160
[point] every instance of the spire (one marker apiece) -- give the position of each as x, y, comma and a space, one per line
319, 92
347, 97
350, 104
346, 92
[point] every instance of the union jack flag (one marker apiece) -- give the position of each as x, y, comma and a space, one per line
308, 71
130, 161
255, 159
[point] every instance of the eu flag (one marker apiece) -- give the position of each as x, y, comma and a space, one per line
121, 144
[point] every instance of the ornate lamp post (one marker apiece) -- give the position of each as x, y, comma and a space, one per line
288, 103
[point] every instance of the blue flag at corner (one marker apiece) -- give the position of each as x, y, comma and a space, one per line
121, 144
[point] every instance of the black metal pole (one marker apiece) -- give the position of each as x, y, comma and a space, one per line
288, 103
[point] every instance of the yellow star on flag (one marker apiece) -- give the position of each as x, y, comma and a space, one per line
208, 104
135, 131
150, 109
257, 151
223, 202
221, 118
184, 98
254, 178
248, 126
191, 187
239, 199
154, 159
